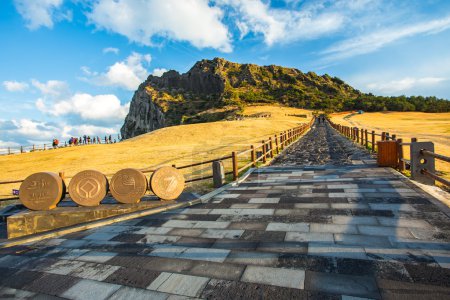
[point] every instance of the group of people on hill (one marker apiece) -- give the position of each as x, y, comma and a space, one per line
85, 140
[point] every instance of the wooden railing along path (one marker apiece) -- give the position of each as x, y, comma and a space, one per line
422, 156
260, 153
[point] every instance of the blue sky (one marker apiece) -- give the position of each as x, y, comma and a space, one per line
70, 67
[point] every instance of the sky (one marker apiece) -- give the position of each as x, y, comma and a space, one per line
70, 67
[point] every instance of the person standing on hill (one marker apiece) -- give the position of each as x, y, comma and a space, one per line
110, 139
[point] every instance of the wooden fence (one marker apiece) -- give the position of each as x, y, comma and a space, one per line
262, 152
421, 160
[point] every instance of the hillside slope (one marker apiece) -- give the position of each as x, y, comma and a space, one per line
218, 89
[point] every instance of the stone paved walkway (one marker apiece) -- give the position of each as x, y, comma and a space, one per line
287, 232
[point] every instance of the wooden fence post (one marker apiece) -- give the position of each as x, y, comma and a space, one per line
235, 165
401, 163
394, 137
383, 136
264, 151
362, 137
413, 140
253, 156
367, 139
276, 144
373, 141
21, 149
357, 135
271, 147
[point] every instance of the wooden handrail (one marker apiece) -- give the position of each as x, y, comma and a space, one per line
435, 155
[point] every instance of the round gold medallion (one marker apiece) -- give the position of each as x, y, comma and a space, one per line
128, 186
88, 188
41, 191
167, 183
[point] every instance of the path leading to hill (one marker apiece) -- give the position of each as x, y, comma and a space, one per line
338, 230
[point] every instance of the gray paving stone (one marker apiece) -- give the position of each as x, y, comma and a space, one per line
392, 207
245, 205
248, 225
10, 293
158, 239
333, 250
264, 200
349, 206
222, 233
217, 270
333, 228
180, 223
98, 257
385, 231
185, 285
402, 222
101, 236
292, 212
283, 247
403, 255
253, 258
421, 234
299, 227
360, 286
13, 261
64, 267
206, 254
354, 220
309, 237
186, 232
51, 284
90, 289
346, 195
153, 230
211, 224
362, 240
126, 292
243, 211
275, 276
94, 271
196, 211
312, 205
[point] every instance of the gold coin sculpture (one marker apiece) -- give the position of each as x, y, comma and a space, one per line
88, 188
167, 183
128, 186
42, 191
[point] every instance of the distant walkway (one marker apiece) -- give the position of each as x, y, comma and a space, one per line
333, 231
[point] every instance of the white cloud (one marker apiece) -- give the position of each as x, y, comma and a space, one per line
159, 71
193, 21
111, 50
41, 13
15, 86
127, 74
87, 107
280, 25
90, 130
54, 88
405, 84
373, 41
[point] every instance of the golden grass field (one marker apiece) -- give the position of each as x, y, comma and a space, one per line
180, 145
434, 127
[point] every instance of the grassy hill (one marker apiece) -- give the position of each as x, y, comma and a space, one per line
179, 145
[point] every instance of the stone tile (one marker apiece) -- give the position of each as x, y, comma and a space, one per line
299, 227
283, 247
349, 206
139, 278
185, 285
245, 205
97, 257
222, 233
196, 211
361, 240
252, 258
13, 261
259, 235
424, 274
168, 250
309, 237
392, 207
359, 286
10, 293
158, 239
346, 195
128, 238
51, 284
180, 224
90, 289
422, 234
153, 230
243, 211
235, 244
212, 224
391, 289
312, 205
354, 220
217, 270
291, 212
94, 271
275, 276
164, 264
186, 232
264, 200
126, 292
401, 222
64, 267
385, 231
248, 225
402, 255
322, 249
333, 228
206, 254
195, 242
101, 236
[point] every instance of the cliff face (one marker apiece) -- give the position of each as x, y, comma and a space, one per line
216, 89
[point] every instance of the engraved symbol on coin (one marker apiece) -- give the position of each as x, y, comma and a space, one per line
167, 183
41, 191
128, 185
88, 188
